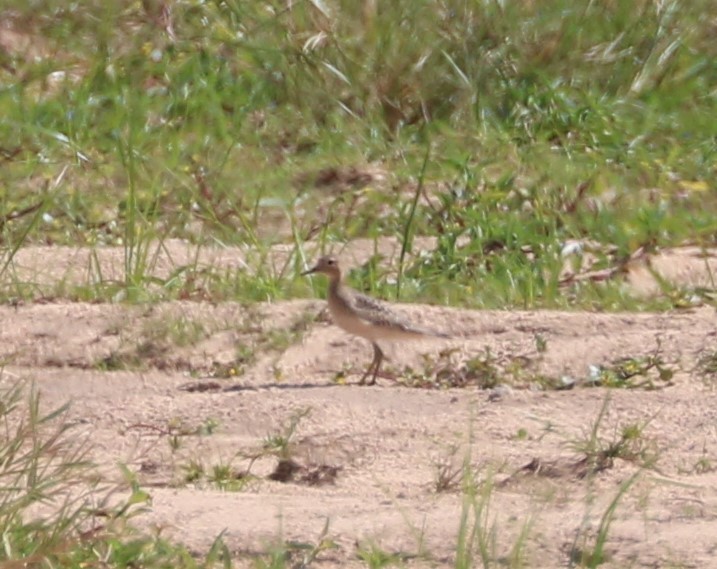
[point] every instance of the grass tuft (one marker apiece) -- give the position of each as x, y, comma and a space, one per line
247, 125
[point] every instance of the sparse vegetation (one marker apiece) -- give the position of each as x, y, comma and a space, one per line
628, 443
221, 475
444, 372
589, 548
704, 464
484, 371
279, 443
55, 507
449, 473
295, 554
648, 372
477, 530
707, 366
377, 558
279, 446
150, 345
224, 477
171, 338
176, 428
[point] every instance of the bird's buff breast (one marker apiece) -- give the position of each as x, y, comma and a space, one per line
350, 323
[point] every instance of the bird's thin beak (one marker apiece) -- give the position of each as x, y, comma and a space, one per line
311, 270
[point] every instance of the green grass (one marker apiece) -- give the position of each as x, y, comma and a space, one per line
540, 122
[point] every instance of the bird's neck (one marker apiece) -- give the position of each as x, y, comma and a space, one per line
334, 283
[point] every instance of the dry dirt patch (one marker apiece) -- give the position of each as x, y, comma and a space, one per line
371, 460
386, 443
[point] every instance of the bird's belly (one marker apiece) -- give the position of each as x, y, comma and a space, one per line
372, 331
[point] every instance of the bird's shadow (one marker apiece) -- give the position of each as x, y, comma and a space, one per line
282, 386
214, 386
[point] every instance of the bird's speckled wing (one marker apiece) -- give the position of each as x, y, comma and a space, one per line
378, 313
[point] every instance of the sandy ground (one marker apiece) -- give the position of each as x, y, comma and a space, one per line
369, 458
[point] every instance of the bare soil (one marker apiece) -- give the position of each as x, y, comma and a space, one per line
367, 459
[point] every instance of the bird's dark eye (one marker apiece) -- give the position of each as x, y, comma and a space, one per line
332, 262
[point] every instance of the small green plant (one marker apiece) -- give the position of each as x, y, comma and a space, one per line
589, 550
376, 558
193, 471
176, 429
208, 427
647, 372
279, 443
245, 356
476, 542
341, 377
224, 477
476, 530
521, 434
119, 361
449, 475
273, 340
707, 366
704, 464
295, 554
628, 443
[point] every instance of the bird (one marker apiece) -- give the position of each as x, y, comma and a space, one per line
365, 316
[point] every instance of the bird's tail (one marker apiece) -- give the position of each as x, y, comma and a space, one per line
430, 332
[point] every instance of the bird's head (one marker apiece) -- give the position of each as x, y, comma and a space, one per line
328, 265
